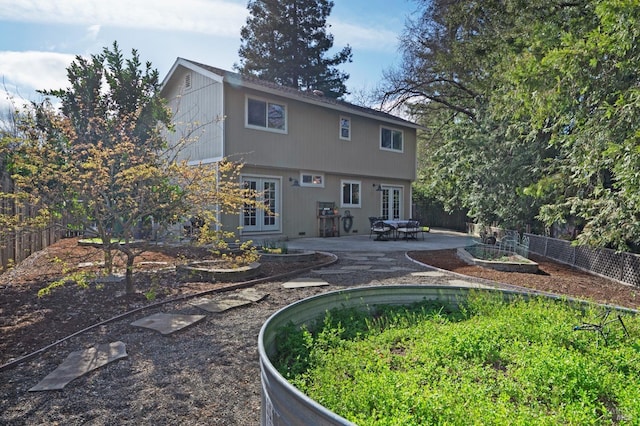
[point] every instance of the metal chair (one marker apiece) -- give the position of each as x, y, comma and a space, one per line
381, 229
372, 220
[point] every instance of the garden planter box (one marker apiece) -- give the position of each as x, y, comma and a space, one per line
282, 403
516, 263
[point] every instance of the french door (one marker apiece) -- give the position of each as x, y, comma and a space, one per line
392, 203
256, 219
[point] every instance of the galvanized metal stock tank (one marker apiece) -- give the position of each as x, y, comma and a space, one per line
282, 403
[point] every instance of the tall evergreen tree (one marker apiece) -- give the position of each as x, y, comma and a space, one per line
285, 41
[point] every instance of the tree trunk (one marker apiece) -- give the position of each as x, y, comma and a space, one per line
129, 284
130, 287
108, 256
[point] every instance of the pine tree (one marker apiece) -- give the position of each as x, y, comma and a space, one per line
285, 41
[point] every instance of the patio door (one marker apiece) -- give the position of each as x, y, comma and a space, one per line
268, 193
392, 203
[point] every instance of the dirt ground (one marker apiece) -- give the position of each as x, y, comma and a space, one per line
207, 374
552, 277
29, 322
26, 320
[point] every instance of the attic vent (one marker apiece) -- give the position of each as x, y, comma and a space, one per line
318, 93
187, 81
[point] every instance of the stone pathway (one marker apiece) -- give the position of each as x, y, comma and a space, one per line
79, 363
374, 264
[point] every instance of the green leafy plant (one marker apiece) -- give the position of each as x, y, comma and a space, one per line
494, 361
274, 247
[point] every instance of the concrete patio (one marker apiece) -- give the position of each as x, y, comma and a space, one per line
436, 239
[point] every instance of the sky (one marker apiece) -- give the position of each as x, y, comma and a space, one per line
40, 38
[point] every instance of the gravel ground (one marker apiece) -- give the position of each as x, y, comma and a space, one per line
207, 374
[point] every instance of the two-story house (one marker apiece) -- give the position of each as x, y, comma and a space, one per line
302, 151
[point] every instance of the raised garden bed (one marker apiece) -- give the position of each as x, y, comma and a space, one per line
490, 257
471, 366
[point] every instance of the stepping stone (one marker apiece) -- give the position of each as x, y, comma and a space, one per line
217, 306
433, 274
305, 282
357, 258
332, 271
463, 283
90, 264
152, 263
356, 267
251, 294
79, 363
234, 300
401, 268
167, 323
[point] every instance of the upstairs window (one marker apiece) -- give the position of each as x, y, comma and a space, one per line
267, 115
391, 139
345, 128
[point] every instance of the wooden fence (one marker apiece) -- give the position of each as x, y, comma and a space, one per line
433, 214
17, 246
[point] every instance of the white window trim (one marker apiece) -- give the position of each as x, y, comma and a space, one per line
349, 181
312, 185
278, 204
343, 117
267, 101
392, 129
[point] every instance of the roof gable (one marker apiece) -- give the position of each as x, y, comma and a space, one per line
311, 97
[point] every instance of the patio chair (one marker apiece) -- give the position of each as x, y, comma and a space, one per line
409, 230
372, 220
422, 229
381, 229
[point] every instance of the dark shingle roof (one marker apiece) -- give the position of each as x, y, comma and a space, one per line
304, 96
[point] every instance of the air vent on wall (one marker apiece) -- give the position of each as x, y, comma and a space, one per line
187, 81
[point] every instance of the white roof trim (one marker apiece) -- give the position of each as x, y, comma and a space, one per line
193, 67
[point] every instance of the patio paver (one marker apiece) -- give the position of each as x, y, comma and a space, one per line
79, 363
167, 323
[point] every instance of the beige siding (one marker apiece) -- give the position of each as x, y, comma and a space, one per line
215, 114
312, 141
298, 203
198, 115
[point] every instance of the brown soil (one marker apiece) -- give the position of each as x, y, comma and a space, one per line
206, 374
552, 277
29, 322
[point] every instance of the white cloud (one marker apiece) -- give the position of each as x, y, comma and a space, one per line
35, 70
93, 31
213, 17
359, 37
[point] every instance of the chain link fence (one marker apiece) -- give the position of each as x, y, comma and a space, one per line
620, 266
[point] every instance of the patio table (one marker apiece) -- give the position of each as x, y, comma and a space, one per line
395, 224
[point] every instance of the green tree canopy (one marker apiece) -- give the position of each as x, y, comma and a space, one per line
102, 159
286, 42
531, 111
